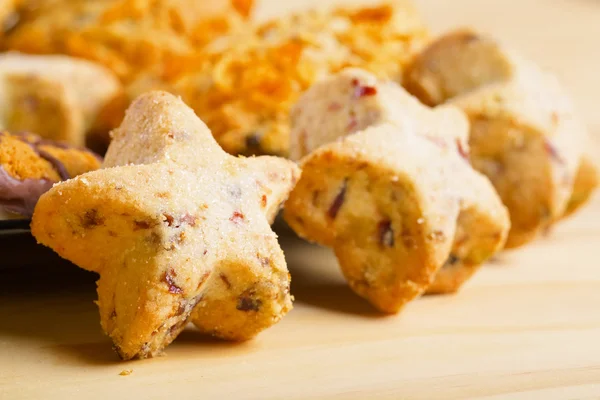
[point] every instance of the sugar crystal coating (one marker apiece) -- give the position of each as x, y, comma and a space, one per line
177, 229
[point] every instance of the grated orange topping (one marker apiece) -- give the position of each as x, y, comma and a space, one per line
127, 36
244, 86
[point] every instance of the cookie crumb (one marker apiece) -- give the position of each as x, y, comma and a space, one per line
126, 372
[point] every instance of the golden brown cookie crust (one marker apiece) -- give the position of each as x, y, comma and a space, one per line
56, 97
525, 135
116, 33
397, 200
177, 229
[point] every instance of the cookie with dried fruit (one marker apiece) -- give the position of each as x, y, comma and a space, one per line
353, 100
525, 135
178, 230
402, 208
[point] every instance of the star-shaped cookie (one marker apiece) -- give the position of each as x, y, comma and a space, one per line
386, 183
525, 134
177, 229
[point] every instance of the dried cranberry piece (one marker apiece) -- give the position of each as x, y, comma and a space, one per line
551, 149
169, 279
338, 201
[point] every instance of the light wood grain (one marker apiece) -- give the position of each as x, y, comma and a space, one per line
527, 326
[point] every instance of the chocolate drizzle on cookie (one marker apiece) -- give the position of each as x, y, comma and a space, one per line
36, 142
56, 163
20, 196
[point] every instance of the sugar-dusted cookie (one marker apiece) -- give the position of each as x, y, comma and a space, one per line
398, 201
177, 229
29, 166
244, 87
56, 97
525, 135
354, 99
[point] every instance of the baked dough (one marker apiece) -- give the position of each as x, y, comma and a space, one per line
525, 135
30, 165
177, 229
397, 201
243, 87
56, 97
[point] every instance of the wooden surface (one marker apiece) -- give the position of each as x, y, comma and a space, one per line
527, 326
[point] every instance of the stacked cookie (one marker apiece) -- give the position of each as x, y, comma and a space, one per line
370, 184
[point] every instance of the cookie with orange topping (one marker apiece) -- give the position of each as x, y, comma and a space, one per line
30, 165
126, 36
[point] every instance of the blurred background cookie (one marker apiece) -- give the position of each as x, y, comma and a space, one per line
57, 97
241, 78
138, 41
126, 36
243, 88
526, 136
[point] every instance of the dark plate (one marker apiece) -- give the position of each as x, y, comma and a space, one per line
13, 226
18, 248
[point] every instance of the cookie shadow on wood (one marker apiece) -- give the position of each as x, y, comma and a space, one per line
318, 282
50, 308
48, 304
